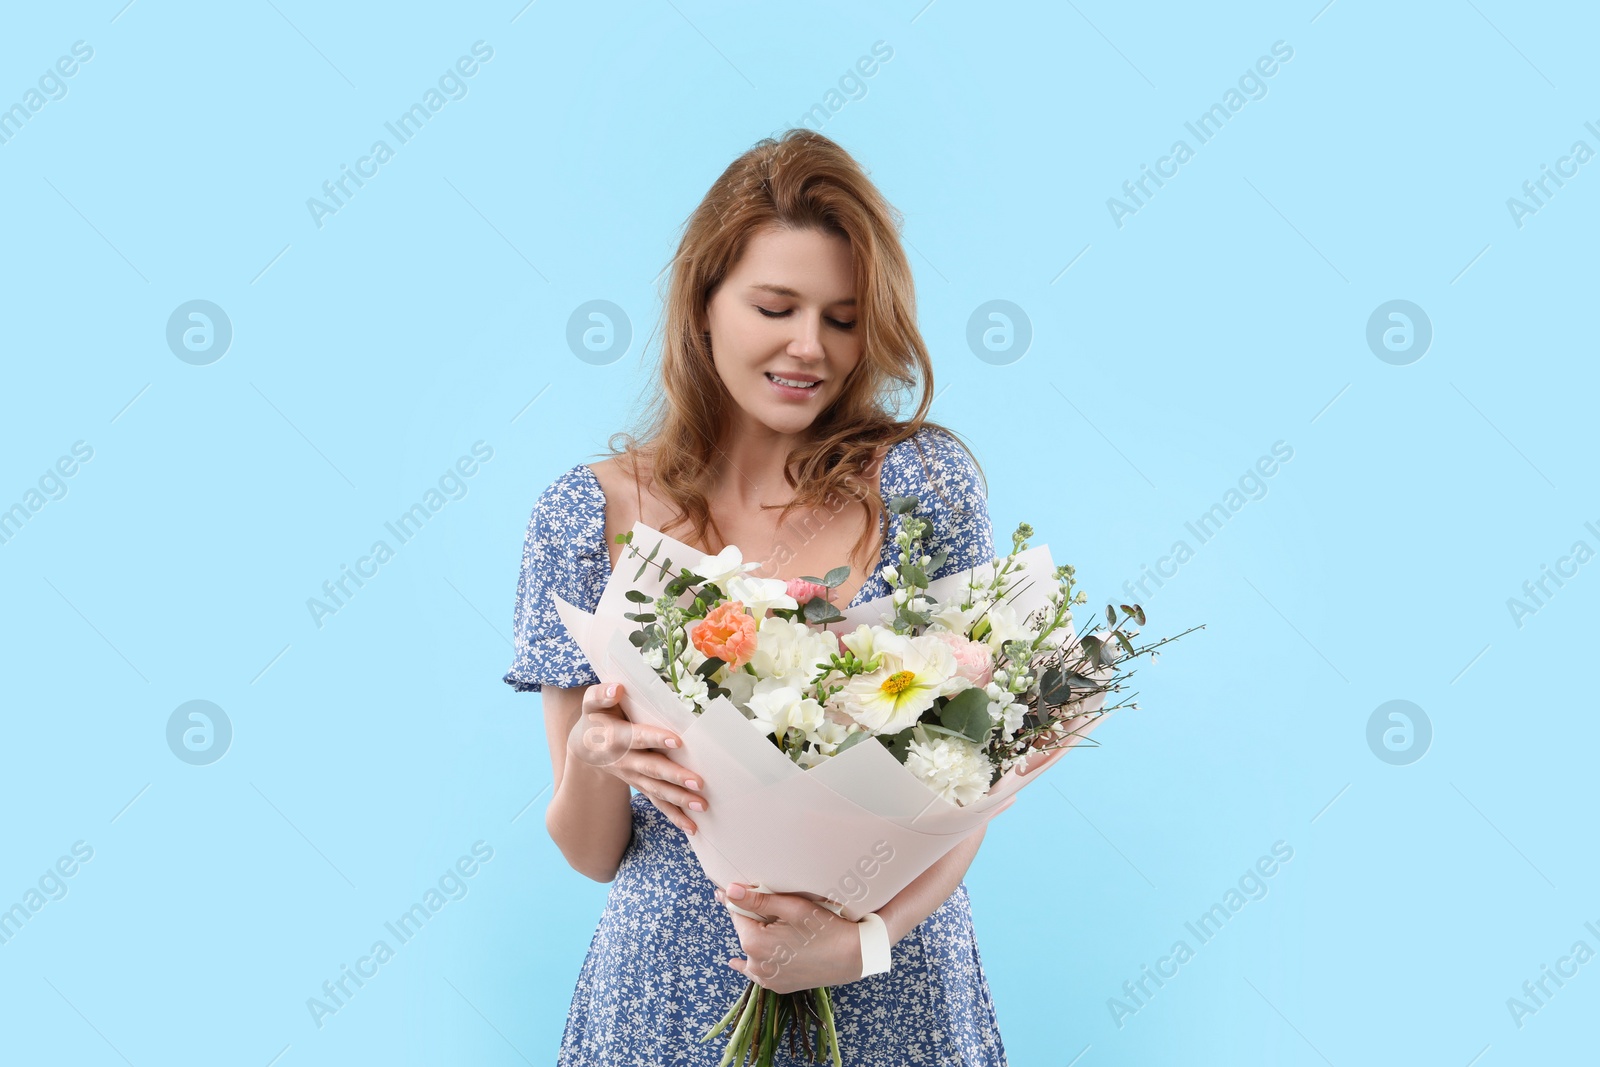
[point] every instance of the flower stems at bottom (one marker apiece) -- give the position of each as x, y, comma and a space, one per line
761, 1019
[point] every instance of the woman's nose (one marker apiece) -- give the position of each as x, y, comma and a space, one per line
807, 342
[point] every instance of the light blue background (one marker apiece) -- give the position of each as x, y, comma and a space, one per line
431, 312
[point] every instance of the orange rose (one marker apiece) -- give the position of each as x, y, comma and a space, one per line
728, 632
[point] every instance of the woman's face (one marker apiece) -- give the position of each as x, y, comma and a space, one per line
786, 310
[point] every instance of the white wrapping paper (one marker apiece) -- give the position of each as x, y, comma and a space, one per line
857, 828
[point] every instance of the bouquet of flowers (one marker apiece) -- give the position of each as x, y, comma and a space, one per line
901, 730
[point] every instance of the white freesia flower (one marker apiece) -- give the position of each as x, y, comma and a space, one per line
759, 594
790, 652
824, 741
778, 709
952, 618
828, 735
1005, 626
724, 565
953, 767
912, 672
859, 641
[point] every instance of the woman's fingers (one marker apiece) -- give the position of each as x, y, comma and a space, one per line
632, 752
674, 814
607, 700
678, 784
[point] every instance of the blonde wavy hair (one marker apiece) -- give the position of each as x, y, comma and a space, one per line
801, 180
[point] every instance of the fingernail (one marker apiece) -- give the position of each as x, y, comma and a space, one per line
736, 891
692, 783
672, 742
695, 805
611, 690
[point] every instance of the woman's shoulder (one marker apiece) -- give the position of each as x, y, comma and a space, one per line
932, 454
571, 505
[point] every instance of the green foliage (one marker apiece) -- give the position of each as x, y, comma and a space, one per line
966, 714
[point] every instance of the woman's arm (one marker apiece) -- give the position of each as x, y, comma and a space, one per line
906, 910
590, 817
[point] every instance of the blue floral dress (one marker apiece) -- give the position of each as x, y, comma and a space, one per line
656, 975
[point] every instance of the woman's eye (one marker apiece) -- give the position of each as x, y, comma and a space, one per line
780, 314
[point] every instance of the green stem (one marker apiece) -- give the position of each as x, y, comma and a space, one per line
733, 1013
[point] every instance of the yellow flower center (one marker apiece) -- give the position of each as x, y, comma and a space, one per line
897, 683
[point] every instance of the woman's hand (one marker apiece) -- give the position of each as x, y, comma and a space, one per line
606, 740
804, 946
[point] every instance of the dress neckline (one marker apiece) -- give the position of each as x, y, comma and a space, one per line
875, 578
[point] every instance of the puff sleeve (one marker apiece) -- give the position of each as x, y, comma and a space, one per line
957, 503
564, 552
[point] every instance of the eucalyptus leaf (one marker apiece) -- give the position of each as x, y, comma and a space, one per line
898, 744
818, 610
851, 741
637, 597
967, 713
1091, 651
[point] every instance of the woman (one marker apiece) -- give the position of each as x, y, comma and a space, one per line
789, 320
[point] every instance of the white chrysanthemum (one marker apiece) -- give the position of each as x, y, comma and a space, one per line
759, 594
912, 672
721, 567
953, 767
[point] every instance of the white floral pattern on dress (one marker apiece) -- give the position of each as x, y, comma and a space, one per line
656, 975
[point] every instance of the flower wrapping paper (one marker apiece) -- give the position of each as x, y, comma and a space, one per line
823, 832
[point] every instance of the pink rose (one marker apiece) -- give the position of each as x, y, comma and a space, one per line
803, 590
973, 661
